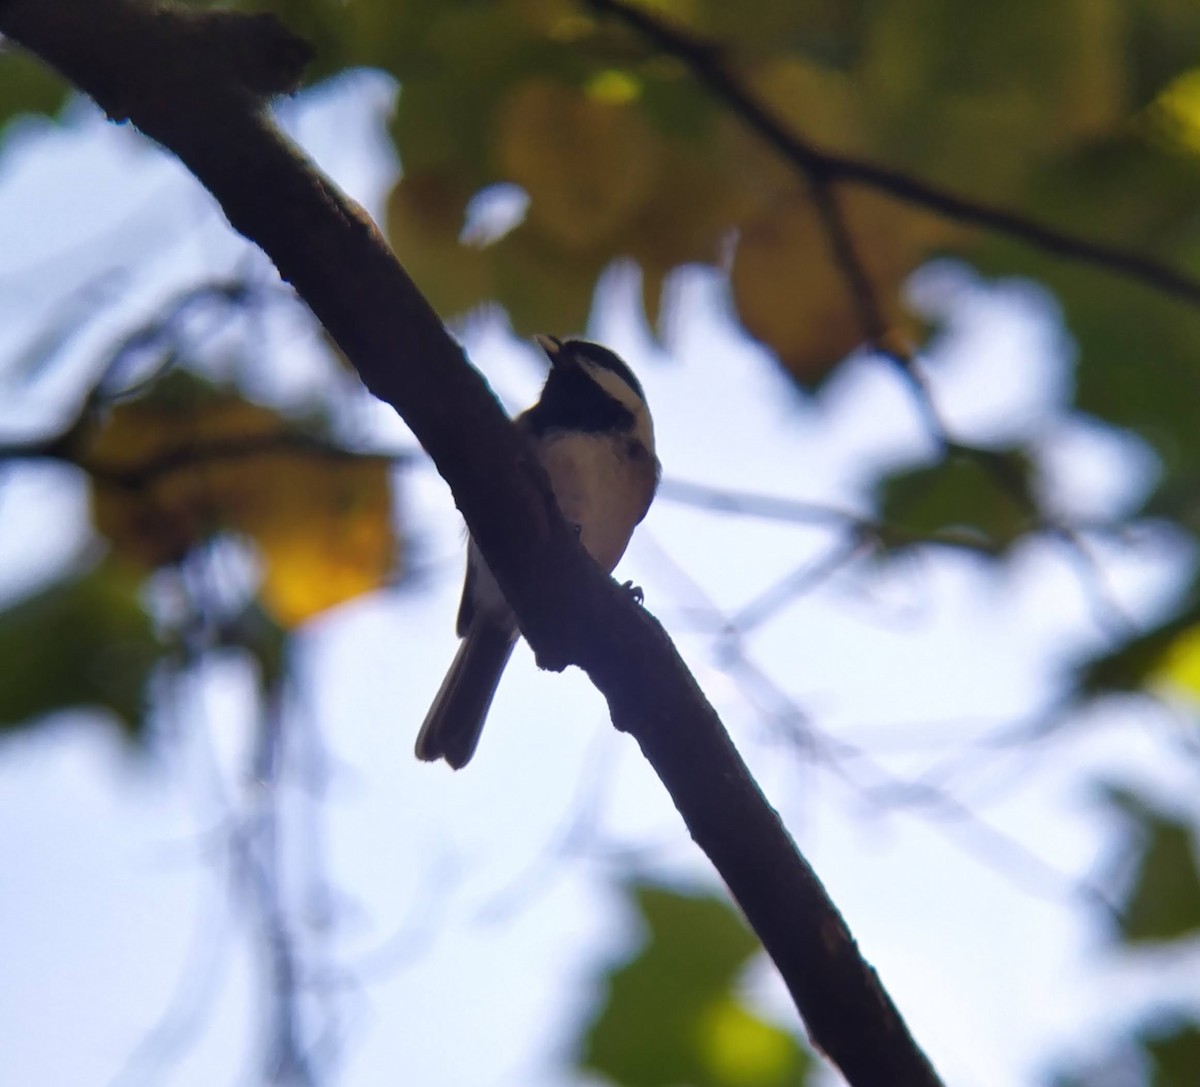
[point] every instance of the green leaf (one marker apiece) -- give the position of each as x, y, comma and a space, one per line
1174, 1054
84, 643
1167, 654
977, 102
27, 86
1161, 43
1162, 901
670, 1016
982, 498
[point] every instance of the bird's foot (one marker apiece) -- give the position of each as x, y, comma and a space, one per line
635, 591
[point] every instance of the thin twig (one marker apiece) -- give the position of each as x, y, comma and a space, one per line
751, 504
866, 301
184, 457
801, 581
877, 787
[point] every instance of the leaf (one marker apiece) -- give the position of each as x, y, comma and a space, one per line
1167, 653
456, 64
793, 296
83, 643
670, 1015
741, 1050
27, 86
624, 156
1162, 901
425, 214
689, 223
832, 29
542, 286
195, 461
587, 164
821, 105
1160, 44
1174, 1054
323, 527
984, 496
977, 103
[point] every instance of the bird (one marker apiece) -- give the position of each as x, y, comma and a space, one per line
592, 432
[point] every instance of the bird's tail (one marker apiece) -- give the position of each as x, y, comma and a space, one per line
452, 726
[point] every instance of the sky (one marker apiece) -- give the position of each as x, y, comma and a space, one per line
461, 920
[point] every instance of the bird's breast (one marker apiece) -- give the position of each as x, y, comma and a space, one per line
603, 484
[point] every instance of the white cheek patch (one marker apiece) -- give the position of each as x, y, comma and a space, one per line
615, 386
619, 390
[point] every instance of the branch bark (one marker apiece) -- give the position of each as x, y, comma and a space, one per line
192, 82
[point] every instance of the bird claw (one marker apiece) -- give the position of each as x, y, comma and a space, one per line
635, 591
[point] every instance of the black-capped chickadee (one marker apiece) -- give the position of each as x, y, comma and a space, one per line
592, 432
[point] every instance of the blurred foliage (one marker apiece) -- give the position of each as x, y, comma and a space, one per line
672, 1014
83, 643
1050, 109
1174, 1053
184, 465
1083, 113
1166, 656
1156, 909
189, 461
27, 87
1164, 1052
1162, 899
980, 497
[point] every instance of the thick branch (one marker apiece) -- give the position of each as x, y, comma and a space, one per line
569, 610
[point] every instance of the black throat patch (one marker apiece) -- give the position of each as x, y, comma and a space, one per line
571, 400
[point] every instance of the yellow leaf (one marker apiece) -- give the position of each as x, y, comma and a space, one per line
1176, 111
614, 87
689, 214
199, 462
587, 165
323, 528
794, 297
180, 501
743, 1051
1179, 667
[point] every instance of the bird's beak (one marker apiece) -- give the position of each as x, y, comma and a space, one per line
552, 345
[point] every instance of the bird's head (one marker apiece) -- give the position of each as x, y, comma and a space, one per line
590, 388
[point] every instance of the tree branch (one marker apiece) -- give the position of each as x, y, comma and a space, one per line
870, 312
703, 58
173, 77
